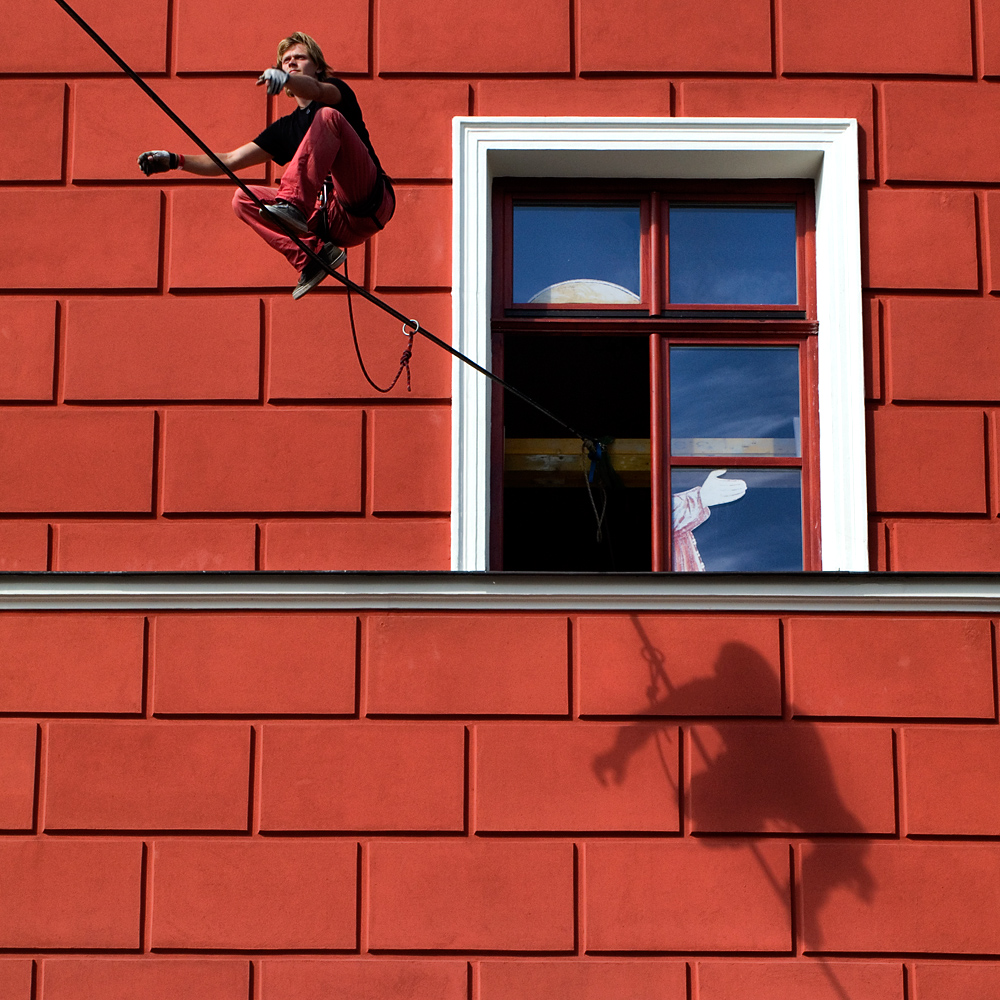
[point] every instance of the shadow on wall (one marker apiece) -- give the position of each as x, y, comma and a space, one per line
763, 777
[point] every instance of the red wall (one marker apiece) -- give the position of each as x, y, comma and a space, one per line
158, 385
475, 806
297, 805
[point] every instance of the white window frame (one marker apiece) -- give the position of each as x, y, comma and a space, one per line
823, 149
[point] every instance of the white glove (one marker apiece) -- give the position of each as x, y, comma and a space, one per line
715, 490
274, 78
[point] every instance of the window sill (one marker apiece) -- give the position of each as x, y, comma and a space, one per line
822, 592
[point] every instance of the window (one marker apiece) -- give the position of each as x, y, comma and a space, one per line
674, 321
822, 152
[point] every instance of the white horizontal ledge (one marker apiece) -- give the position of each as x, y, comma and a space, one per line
566, 592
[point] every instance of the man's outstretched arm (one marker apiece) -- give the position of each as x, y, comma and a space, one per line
157, 161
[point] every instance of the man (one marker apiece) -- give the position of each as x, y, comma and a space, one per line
323, 140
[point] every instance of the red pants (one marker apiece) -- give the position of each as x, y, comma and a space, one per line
330, 146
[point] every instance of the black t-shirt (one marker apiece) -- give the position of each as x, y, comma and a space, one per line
281, 139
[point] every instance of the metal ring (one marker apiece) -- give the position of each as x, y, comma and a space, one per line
415, 325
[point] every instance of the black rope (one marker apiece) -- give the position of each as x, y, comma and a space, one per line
343, 279
404, 361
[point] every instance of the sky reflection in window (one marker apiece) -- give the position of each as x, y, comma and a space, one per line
734, 401
554, 244
725, 254
760, 532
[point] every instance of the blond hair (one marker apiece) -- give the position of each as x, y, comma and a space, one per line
310, 45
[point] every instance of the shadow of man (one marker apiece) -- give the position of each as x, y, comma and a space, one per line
750, 777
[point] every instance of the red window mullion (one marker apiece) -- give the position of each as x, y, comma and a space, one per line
655, 256
659, 452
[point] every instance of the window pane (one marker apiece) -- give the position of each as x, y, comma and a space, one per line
719, 530
600, 385
734, 401
728, 254
576, 253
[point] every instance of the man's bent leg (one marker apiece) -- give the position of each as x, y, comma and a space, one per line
331, 146
247, 211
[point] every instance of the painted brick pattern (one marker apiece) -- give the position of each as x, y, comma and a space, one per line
198, 801
452, 805
153, 979
224, 895
185, 305
489, 895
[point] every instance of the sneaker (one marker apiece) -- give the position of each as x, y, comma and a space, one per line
312, 274
288, 214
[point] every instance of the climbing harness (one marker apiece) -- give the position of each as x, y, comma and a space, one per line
367, 207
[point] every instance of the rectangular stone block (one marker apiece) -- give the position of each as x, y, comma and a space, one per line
929, 459
411, 464
163, 348
106, 238
952, 780
970, 980
150, 978
211, 248
795, 98
373, 979
410, 122
469, 895
943, 348
792, 778
380, 544
581, 776
926, 546
255, 664
24, 546
363, 776
523, 37
27, 348
143, 776
139, 35
17, 775
659, 896
253, 460
56, 662
678, 665
154, 546
262, 895
921, 238
76, 460
792, 980
882, 36
954, 124
15, 978
467, 664
591, 979
600, 97
905, 666
253, 30
69, 894
34, 109
718, 36
913, 898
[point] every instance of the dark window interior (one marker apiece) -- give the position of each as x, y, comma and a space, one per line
600, 385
